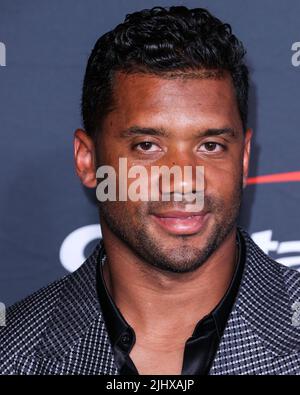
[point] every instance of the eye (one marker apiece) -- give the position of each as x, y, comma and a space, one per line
147, 146
212, 146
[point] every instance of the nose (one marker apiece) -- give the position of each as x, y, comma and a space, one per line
181, 177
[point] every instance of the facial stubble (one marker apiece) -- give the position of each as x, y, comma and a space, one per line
183, 256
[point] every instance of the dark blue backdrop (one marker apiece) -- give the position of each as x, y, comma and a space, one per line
48, 221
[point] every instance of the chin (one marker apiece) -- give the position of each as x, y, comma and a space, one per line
176, 256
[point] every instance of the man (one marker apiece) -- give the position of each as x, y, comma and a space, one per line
168, 290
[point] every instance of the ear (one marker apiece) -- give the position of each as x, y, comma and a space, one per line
246, 155
84, 155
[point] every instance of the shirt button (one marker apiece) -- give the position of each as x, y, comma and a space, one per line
125, 339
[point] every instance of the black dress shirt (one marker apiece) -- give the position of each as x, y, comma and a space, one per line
200, 348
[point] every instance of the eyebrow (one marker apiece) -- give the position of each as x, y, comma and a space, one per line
161, 132
138, 130
217, 132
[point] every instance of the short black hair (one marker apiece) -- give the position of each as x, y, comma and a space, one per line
159, 41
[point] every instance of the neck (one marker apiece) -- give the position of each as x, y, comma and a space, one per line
147, 295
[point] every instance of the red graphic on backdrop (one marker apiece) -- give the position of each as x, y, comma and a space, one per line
291, 176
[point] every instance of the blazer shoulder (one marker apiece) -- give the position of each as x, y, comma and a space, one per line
26, 320
269, 273
292, 283
49, 320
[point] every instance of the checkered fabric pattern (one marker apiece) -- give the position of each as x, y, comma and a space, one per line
60, 329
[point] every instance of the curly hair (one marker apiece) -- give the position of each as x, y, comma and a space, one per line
161, 41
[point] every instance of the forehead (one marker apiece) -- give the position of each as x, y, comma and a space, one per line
143, 98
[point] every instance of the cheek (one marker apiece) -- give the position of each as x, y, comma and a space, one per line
223, 180
134, 214
122, 212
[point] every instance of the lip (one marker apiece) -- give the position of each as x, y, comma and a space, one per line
181, 222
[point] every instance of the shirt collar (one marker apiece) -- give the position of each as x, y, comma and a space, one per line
115, 322
220, 313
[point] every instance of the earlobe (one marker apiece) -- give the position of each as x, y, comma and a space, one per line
84, 156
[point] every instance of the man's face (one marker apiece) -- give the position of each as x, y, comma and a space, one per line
183, 122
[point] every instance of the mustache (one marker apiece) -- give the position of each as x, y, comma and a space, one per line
210, 204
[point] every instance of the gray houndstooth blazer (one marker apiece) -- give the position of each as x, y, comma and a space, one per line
60, 329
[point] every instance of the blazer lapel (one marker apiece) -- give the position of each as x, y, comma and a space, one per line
76, 340
259, 337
